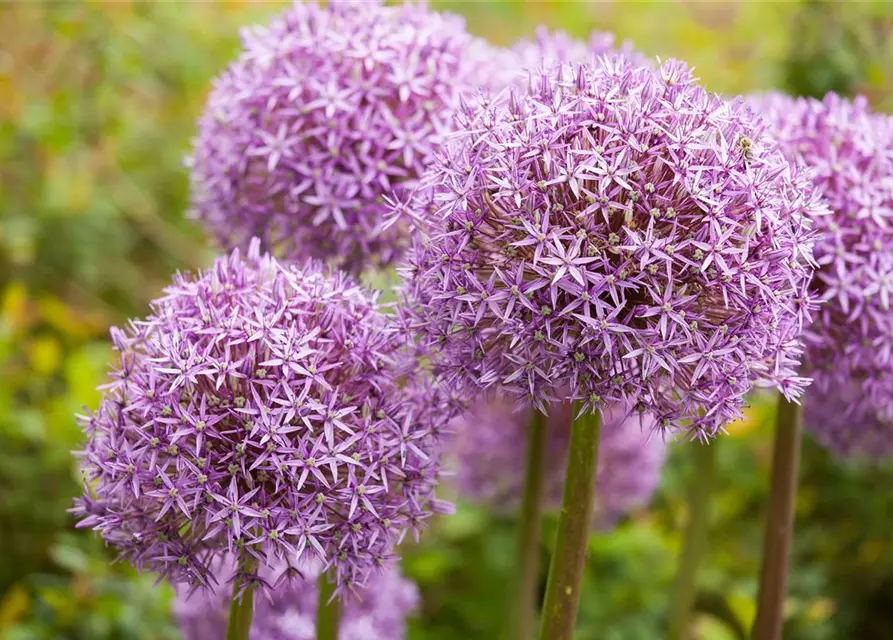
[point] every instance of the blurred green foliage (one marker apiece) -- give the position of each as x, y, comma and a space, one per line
97, 107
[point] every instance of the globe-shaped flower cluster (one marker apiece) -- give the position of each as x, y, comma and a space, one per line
325, 112
621, 233
490, 441
375, 612
260, 409
850, 345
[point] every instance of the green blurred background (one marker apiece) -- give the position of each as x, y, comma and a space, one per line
97, 107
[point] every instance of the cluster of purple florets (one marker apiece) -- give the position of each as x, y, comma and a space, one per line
849, 353
375, 612
490, 443
549, 48
325, 112
261, 409
621, 233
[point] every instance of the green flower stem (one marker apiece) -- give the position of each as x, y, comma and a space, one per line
695, 543
780, 523
241, 609
328, 610
574, 523
522, 613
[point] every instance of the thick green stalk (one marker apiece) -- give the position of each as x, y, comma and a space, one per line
574, 523
695, 542
780, 523
241, 609
328, 610
233, 628
522, 613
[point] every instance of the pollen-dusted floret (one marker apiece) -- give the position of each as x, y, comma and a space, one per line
259, 409
374, 612
850, 345
621, 233
490, 441
324, 113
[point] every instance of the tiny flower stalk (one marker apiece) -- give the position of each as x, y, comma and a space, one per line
695, 542
523, 610
328, 609
780, 522
574, 523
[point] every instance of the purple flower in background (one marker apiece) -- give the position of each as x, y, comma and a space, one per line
551, 47
261, 407
325, 112
620, 233
375, 612
849, 346
490, 441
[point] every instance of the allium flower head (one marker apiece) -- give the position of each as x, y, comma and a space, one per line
551, 47
850, 345
258, 410
490, 442
375, 612
621, 233
322, 115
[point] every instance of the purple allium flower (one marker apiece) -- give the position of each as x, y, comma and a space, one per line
550, 47
490, 441
850, 345
621, 233
376, 612
322, 115
258, 408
